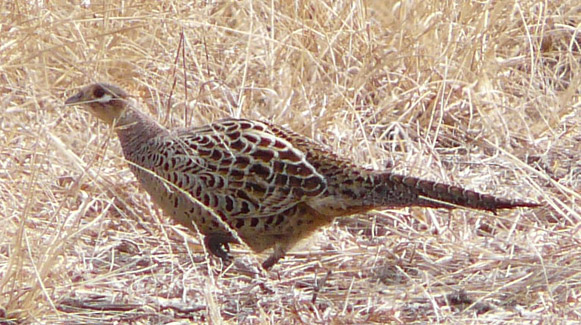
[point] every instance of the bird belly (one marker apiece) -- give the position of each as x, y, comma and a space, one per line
208, 215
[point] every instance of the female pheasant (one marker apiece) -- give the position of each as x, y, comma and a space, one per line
243, 180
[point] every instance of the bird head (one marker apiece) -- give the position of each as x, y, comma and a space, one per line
106, 102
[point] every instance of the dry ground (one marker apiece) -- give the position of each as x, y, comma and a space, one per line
482, 94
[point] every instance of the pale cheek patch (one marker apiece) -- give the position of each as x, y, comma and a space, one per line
104, 99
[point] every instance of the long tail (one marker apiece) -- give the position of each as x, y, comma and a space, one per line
392, 190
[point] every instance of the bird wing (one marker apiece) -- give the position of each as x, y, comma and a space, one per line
239, 167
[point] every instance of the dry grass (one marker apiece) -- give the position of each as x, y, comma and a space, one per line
483, 94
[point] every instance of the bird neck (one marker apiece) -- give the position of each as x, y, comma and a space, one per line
134, 129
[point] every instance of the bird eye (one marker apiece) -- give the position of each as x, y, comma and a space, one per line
98, 92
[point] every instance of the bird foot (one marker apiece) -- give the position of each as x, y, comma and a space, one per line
270, 261
277, 254
218, 246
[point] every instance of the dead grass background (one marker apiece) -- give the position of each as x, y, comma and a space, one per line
482, 94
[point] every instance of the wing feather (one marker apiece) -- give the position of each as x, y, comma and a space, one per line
239, 167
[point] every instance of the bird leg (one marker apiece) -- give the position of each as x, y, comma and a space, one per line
217, 244
278, 253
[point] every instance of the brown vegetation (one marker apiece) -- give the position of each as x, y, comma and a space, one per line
480, 94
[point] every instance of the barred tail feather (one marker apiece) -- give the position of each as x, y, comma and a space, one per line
392, 190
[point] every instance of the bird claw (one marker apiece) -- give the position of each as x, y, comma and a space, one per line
218, 246
277, 254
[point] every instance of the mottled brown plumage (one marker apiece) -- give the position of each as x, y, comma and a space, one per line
253, 181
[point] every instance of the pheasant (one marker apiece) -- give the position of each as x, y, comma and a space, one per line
251, 181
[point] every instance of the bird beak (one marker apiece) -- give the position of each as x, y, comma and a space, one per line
76, 99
